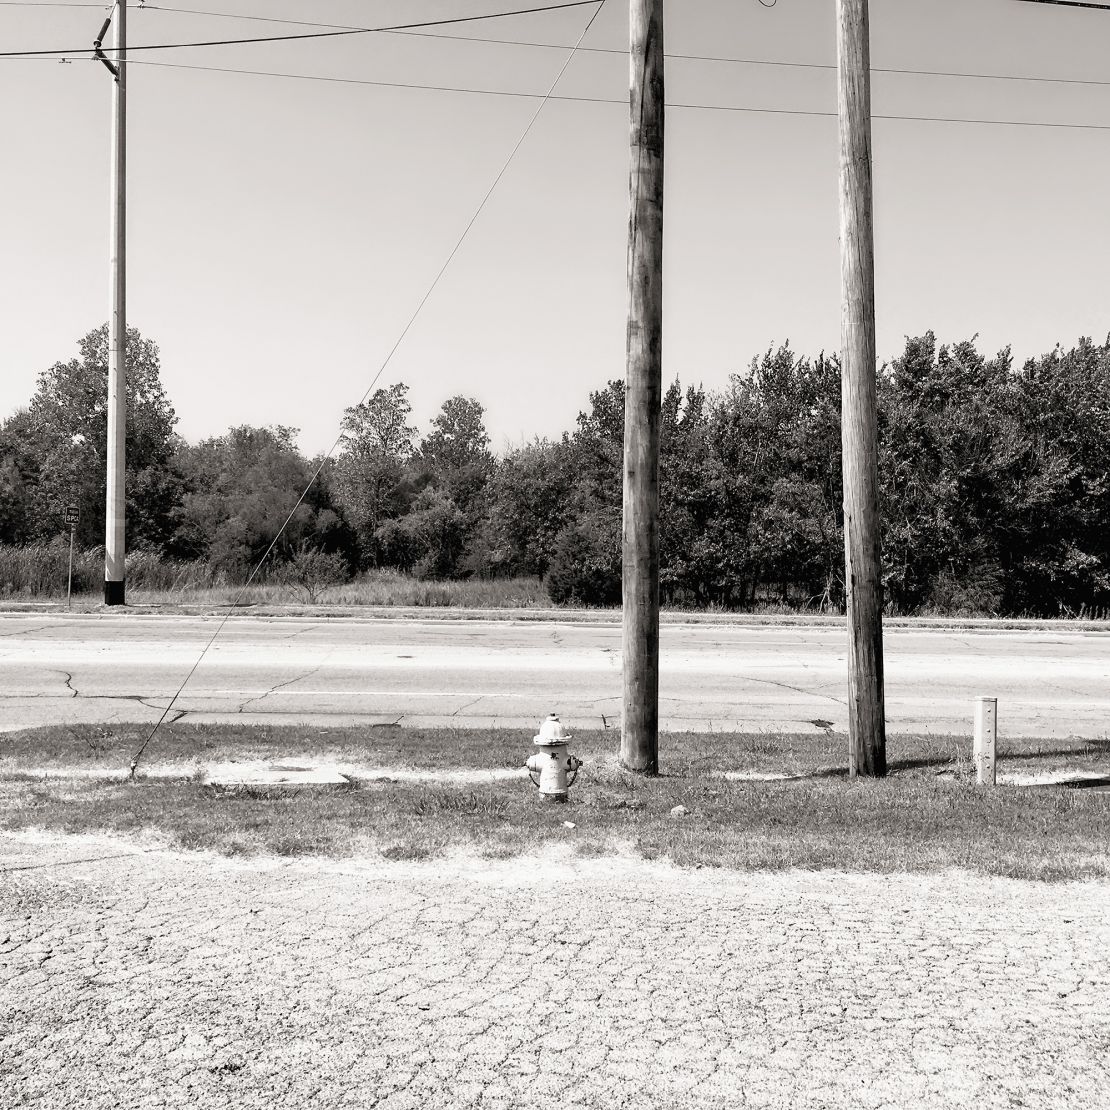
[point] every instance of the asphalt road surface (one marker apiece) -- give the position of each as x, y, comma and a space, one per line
58, 668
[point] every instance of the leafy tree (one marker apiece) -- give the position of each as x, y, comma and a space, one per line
458, 438
444, 489
775, 437
377, 443
585, 566
691, 480
429, 539
1056, 555
56, 451
954, 457
585, 555
525, 507
18, 474
243, 487
455, 454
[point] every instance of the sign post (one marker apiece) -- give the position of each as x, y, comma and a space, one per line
72, 518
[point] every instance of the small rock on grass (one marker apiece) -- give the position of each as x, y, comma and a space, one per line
679, 811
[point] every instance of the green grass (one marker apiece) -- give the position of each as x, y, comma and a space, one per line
927, 815
103, 747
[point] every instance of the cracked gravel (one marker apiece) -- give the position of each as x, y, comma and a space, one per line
132, 976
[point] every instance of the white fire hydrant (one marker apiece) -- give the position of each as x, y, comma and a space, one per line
553, 769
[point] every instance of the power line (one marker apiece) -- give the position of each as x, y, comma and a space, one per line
413, 31
1072, 4
242, 17
961, 74
465, 90
312, 34
675, 57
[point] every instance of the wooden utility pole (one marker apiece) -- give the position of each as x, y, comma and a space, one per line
862, 560
643, 394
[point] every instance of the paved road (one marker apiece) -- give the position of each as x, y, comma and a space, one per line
487, 673
161, 980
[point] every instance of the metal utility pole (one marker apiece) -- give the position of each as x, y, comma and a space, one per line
862, 561
114, 511
643, 394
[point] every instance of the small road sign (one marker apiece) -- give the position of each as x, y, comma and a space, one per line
73, 515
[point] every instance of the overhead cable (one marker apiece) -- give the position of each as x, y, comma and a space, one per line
566, 98
312, 34
624, 52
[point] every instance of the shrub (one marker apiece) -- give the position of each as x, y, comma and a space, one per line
585, 565
310, 572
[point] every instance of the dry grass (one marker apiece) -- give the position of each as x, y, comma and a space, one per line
40, 571
927, 815
380, 589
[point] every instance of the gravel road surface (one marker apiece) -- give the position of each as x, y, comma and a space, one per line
134, 977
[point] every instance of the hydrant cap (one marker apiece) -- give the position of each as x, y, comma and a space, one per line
552, 732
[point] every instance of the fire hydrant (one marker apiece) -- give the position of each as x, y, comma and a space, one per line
553, 769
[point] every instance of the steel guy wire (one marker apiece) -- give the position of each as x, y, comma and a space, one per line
373, 381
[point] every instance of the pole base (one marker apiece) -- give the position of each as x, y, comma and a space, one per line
113, 593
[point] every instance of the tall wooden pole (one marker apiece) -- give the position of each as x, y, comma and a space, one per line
114, 522
862, 569
643, 394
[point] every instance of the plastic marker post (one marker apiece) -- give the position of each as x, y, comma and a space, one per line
986, 737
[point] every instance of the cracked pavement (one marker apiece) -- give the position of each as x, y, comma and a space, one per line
512, 673
152, 979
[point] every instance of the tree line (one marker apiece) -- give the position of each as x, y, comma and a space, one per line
995, 484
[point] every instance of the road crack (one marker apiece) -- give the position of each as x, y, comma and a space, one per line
279, 686
797, 690
68, 683
24, 631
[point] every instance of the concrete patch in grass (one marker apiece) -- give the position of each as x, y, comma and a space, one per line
755, 776
265, 773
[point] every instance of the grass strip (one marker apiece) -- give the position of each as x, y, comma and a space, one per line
927, 815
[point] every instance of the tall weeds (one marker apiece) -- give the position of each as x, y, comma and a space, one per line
40, 571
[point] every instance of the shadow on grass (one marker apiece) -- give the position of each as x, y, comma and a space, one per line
1085, 748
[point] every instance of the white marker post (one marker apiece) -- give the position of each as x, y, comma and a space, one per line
986, 738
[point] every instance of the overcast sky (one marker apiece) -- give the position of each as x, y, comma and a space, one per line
282, 231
